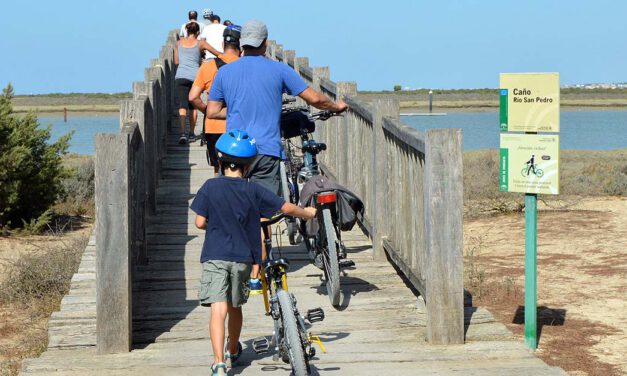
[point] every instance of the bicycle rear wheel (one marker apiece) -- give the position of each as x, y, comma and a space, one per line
332, 266
291, 334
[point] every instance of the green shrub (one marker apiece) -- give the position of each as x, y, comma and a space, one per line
37, 225
30, 168
77, 196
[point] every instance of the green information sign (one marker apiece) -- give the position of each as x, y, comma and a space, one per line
529, 163
529, 102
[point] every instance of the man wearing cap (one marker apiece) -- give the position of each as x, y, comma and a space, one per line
252, 88
214, 128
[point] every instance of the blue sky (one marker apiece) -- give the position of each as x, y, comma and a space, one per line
84, 46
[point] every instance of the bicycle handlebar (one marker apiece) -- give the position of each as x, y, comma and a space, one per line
275, 218
323, 115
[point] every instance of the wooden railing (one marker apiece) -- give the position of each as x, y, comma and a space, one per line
411, 184
127, 172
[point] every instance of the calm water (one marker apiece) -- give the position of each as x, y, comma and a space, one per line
85, 127
581, 130
584, 130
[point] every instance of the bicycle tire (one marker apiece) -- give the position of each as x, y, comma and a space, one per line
332, 264
291, 334
539, 173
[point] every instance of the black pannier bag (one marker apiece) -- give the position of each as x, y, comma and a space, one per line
292, 122
349, 206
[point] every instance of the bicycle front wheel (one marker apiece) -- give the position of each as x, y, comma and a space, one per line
539, 173
291, 335
331, 263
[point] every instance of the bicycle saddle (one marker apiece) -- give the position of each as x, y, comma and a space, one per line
278, 262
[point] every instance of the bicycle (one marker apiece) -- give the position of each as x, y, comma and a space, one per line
292, 341
323, 242
536, 171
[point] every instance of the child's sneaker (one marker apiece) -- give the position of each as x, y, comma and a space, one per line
254, 284
218, 369
229, 358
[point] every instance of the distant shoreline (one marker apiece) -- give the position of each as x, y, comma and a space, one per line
462, 100
70, 109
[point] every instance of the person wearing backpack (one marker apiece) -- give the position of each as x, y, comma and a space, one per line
204, 78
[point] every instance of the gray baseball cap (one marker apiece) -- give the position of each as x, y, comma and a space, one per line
253, 33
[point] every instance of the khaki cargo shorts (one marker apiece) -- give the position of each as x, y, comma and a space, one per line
224, 281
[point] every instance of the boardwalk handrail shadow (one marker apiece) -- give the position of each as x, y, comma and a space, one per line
411, 184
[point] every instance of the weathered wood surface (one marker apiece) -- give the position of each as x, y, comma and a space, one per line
380, 327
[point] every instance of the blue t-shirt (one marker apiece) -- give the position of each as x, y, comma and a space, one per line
234, 208
252, 88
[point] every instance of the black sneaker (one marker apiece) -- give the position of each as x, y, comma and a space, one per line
182, 139
229, 358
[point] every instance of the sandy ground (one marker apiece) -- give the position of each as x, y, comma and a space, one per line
582, 280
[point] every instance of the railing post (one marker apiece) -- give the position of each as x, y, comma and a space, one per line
135, 111
443, 200
344, 89
288, 57
383, 107
317, 74
155, 74
271, 51
300, 62
145, 92
113, 243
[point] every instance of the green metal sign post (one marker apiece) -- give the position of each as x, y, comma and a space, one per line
529, 103
531, 275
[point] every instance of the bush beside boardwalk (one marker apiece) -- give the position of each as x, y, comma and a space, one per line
42, 191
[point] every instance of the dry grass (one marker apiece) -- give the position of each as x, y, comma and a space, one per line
32, 287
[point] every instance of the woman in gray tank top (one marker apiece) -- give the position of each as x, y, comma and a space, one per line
187, 57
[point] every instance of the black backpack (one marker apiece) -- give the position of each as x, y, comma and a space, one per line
219, 63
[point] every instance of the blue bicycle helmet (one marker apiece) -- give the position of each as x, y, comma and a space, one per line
236, 146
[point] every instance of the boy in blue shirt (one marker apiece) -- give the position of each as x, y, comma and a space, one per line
230, 209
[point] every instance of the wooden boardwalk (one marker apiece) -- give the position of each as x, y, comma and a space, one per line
379, 328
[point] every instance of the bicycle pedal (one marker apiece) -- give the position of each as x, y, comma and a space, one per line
261, 345
315, 315
347, 263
